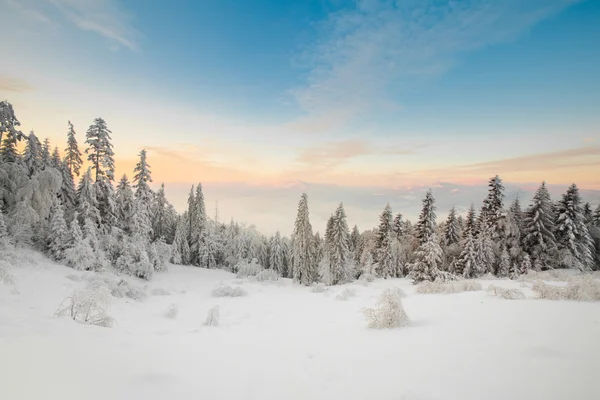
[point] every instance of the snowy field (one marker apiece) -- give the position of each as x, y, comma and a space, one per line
282, 341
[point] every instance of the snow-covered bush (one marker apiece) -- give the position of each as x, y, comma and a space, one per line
318, 288
508, 294
389, 312
163, 255
267, 275
74, 278
367, 277
89, 306
438, 286
585, 288
246, 270
172, 311
212, 319
160, 292
346, 294
228, 291
5, 276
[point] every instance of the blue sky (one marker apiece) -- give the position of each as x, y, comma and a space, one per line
367, 95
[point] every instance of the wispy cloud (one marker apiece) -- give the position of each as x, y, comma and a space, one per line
12, 84
104, 17
369, 50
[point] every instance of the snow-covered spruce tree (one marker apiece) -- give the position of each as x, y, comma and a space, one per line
471, 221
8, 121
513, 233
467, 264
197, 226
32, 155
596, 217
142, 178
58, 235
525, 265
79, 253
277, 254
492, 211
504, 266
100, 151
87, 202
484, 249
159, 214
428, 262
341, 267
385, 227
398, 226
452, 229
304, 268
386, 258
354, 238
46, 154
181, 248
588, 214
55, 158
426, 225
72, 153
320, 243
538, 229
67, 194
124, 203
211, 247
8, 149
575, 244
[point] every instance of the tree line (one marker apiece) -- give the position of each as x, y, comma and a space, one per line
79, 218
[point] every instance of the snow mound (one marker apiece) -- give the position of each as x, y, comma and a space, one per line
267, 275
212, 319
172, 311
318, 288
247, 270
508, 294
367, 277
160, 292
438, 286
346, 294
584, 288
228, 291
389, 312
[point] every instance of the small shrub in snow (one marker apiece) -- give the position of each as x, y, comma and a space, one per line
267, 275
228, 291
89, 306
438, 286
160, 292
5, 276
367, 277
318, 288
585, 288
389, 312
212, 319
346, 294
172, 311
246, 270
508, 294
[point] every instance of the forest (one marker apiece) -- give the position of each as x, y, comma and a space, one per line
69, 205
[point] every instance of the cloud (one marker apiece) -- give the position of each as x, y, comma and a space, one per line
104, 17
369, 50
11, 84
28, 10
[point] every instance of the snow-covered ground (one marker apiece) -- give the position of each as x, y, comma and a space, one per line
282, 341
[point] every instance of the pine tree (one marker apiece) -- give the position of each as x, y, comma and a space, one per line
4, 237
124, 203
198, 225
141, 179
398, 226
304, 267
58, 235
159, 214
596, 217
588, 214
470, 221
484, 250
452, 229
67, 194
32, 156
429, 259
385, 227
140, 224
100, 151
277, 254
538, 228
8, 151
572, 235
467, 264
354, 238
492, 211
513, 233
181, 248
87, 202
339, 248
525, 265
504, 267
9, 122
426, 225
386, 264
46, 154
72, 153
55, 160
79, 253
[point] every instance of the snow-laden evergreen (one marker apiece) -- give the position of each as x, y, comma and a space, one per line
492, 211
142, 178
484, 249
87, 202
339, 267
428, 261
79, 253
467, 264
575, 245
32, 155
538, 228
72, 154
124, 203
452, 229
304, 267
58, 236
277, 254
398, 226
100, 151
426, 225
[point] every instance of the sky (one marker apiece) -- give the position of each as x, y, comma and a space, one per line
357, 101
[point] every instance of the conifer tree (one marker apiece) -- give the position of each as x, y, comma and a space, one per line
470, 221
79, 253
386, 264
8, 150
304, 269
5, 239
100, 151
198, 225
492, 211
354, 238
72, 153
191, 216
504, 266
588, 214
67, 193
32, 156
467, 264
124, 203
525, 265
426, 225
9, 122
385, 227
428, 260
87, 202
46, 154
452, 229
484, 249
277, 254
339, 248
572, 236
55, 160
596, 217
141, 179
398, 226
538, 228
58, 235
181, 248
159, 214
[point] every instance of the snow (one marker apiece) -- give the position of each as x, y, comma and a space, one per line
282, 341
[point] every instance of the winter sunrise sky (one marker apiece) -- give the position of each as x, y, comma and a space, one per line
365, 102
